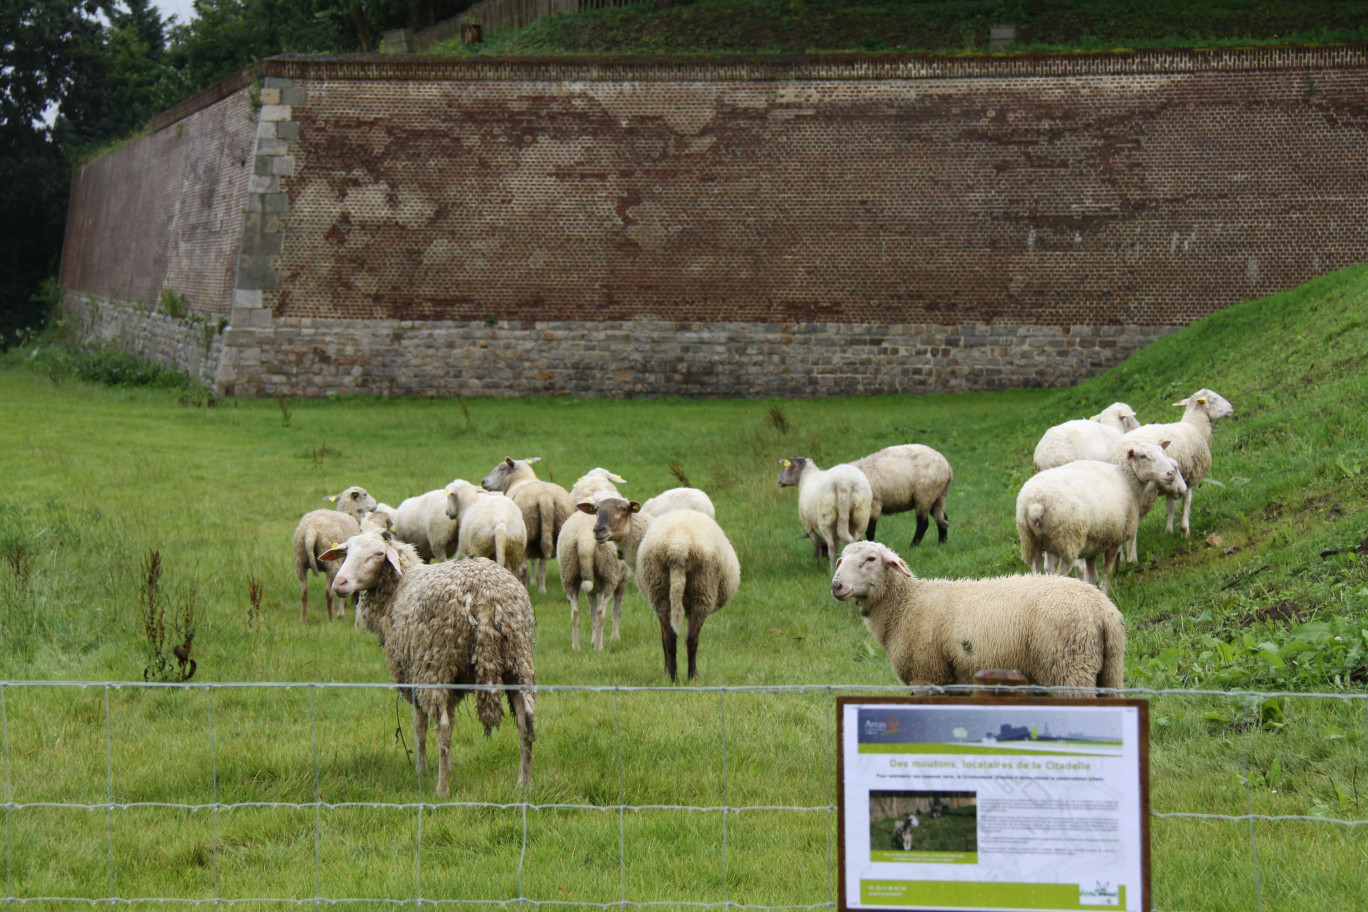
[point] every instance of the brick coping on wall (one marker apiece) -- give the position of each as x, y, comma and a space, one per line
770, 67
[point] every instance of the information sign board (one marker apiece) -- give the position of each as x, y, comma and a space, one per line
992, 804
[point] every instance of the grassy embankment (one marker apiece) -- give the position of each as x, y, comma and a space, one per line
798, 26
95, 477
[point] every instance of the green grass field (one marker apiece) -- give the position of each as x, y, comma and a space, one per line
307, 792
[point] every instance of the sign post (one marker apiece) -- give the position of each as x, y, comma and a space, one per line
979, 803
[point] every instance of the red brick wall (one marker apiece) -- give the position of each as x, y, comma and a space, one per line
165, 211
1121, 189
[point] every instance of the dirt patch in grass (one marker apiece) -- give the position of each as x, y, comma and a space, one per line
1280, 613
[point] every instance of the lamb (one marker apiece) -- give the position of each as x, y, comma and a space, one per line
454, 623
1086, 508
588, 565
316, 532
545, 507
1190, 445
680, 499
686, 568
1058, 632
593, 481
354, 501
908, 477
832, 504
493, 527
425, 522
1085, 438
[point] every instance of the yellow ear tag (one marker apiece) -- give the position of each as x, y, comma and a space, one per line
785, 463
1202, 401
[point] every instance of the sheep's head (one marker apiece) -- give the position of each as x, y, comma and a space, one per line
363, 559
1151, 462
792, 470
1118, 415
862, 570
354, 501
460, 495
508, 471
614, 515
377, 520
1213, 403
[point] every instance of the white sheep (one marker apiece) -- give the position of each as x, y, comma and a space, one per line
590, 567
909, 476
680, 499
686, 568
1089, 508
1085, 438
833, 505
1189, 445
593, 481
545, 507
425, 522
493, 527
1058, 632
354, 501
317, 531
452, 623
379, 519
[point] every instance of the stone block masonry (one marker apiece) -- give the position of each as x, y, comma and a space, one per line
785, 226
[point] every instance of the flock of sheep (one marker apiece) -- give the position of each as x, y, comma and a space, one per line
446, 622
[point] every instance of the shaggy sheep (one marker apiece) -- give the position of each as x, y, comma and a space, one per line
545, 507
1085, 438
426, 522
908, 477
1190, 445
354, 501
593, 481
680, 499
832, 505
493, 527
458, 622
1089, 508
590, 566
685, 567
1058, 632
317, 531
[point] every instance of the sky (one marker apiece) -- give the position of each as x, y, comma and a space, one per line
183, 10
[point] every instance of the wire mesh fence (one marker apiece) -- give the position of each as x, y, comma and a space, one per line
289, 794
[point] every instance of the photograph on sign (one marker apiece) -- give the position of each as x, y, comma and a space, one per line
956, 803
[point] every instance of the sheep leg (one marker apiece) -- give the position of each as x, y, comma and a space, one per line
420, 723
600, 608
328, 599
691, 639
573, 596
1063, 567
525, 736
942, 523
832, 554
303, 598
869, 530
541, 574
1187, 512
617, 607
1168, 527
444, 749
923, 523
669, 642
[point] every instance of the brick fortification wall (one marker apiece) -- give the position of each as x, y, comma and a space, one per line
792, 226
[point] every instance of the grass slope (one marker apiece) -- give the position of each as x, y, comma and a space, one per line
1269, 593
959, 26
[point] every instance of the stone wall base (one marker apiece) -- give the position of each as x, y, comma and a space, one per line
192, 344
315, 357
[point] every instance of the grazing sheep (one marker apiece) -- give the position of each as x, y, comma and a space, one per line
458, 622
832, 505
590, 566
908, 477
493, 527
686, 568
1085, 438
593, 481
426, 522
354, 501
1190, 445
1089, 508
680, 499
317, 531
545, 507
1058, 632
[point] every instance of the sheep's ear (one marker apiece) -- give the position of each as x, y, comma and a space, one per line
331, 498
1097, 417
612, 476
336, 552
392, 555
531, 459
1182, 403
634, 506
1164, 444
785, 463
587, 506
508, 461
899, 565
